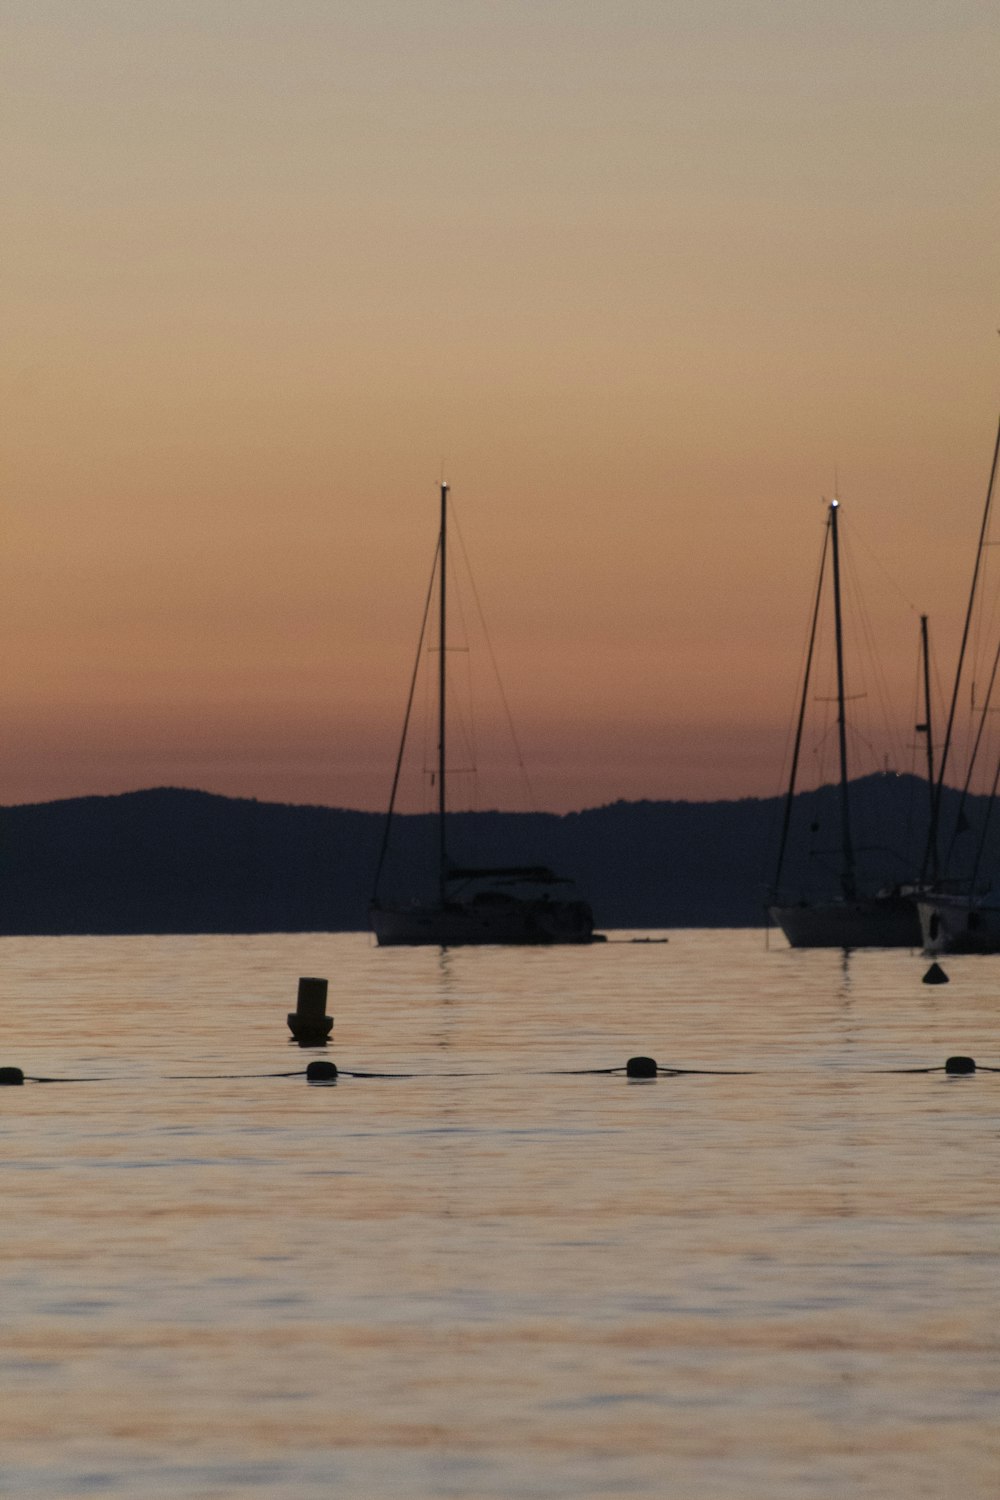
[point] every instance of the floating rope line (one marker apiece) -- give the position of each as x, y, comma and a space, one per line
325, 1071
30, 1078
314, 1070
955, 1066
70, 1080
660, 1070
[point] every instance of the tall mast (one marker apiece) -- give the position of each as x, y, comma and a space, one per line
927, 728
847, 849
945, 748
442, 679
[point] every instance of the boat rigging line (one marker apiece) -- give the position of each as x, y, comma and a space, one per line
932, 832
797, 747
406, 721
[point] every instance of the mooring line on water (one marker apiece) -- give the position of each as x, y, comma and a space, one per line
663, 1069
941, 1068
296, 1073
102, 1078
708, 1072
322, 1070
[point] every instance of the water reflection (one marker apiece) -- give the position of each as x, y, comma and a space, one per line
780, 1284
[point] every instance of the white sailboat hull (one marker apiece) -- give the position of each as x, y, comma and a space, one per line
459, 924
869, 922
953, 924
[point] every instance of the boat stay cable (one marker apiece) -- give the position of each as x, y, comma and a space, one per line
981, 847
496, 669
406, 724
960, 820
949, 729
797, 747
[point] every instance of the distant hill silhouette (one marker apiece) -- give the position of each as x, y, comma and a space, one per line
169, 860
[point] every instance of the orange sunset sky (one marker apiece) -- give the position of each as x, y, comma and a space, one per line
646, 280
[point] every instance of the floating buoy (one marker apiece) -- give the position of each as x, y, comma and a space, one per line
960, 1065
936, 975
641, 1067
309, 1023
11, 1076
321, 1072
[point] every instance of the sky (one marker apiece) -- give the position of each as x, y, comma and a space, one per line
645, 282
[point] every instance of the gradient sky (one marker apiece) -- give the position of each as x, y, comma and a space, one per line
646, 279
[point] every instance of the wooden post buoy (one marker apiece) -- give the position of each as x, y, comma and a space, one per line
960, 1065
640, 1067
308, 1022
936, 975
321, 1072
12, 1076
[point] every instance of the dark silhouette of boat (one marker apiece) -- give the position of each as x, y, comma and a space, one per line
886, 919
516, 904
961, 915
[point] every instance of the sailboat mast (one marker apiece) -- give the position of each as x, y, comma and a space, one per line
983, 537
442, 680
927, 728
847, 849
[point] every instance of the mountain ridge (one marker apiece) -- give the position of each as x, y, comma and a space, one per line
179, 860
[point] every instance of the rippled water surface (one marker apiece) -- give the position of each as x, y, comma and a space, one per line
496, 1278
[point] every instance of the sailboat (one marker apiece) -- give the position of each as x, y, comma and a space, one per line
957, 916
952, 923
886, 919
519, 904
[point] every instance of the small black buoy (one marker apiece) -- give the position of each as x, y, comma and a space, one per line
640, 1067
960, 1065
321, 1072
11, 1076
936, 975
309, 1023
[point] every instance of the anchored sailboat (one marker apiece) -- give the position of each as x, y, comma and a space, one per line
519, 904
887, 919
956, 916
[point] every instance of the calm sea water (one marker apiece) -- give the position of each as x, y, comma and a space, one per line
493, 1279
